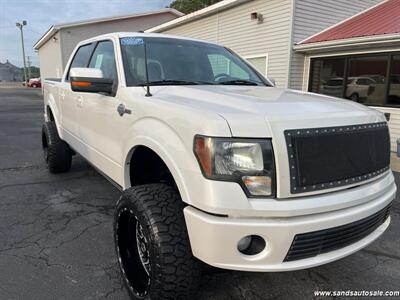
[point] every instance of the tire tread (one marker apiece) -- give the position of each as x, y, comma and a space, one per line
59, 152
177, 271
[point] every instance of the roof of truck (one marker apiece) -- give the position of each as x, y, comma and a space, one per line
143, 34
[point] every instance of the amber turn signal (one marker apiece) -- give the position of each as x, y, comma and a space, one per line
81, 83
202, 148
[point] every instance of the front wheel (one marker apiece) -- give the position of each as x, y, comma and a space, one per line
152, 244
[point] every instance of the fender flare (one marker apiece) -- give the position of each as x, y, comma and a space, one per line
156, 135
51, 104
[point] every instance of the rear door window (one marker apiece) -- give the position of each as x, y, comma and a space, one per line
81, 58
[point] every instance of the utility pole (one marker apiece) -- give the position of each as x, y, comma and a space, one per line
29, 62
20, 26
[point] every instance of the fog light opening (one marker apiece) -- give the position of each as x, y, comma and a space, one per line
251, 245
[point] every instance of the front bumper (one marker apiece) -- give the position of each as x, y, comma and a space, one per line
214, 239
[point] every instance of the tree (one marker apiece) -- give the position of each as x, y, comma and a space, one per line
188, 6
35, 72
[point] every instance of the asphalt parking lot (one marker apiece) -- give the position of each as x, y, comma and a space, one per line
56, 231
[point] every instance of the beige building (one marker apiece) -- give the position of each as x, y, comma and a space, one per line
56, 45
264, 31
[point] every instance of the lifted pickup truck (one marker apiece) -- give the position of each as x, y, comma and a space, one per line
215, 164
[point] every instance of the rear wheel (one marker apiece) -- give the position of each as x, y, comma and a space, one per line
354, 97
152, 244
57, 154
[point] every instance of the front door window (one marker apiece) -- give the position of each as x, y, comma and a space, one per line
103, 59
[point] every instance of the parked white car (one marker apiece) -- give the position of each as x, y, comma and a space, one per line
333, 87
215, 164
360, 88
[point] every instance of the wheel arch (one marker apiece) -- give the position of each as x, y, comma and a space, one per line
52, 112
165, 157
49, 113
167, 144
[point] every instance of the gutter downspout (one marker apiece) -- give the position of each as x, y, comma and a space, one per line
291, 38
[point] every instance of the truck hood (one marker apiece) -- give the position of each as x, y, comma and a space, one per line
254, 111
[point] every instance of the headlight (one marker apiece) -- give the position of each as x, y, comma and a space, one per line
249, 162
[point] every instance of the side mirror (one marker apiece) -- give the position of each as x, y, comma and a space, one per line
90, 80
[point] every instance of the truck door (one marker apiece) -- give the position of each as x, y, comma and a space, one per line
100, 126
69, 100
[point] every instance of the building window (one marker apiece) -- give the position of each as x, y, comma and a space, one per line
372, 79
394, 83
259, 62
327, 76
366, 79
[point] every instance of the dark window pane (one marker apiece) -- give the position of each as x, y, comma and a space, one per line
103, 58
367, 79
394, 88
182, 60
81, 58
327, 76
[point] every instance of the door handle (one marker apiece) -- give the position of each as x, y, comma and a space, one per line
121, 109
79, 101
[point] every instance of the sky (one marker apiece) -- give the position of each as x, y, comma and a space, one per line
41, 14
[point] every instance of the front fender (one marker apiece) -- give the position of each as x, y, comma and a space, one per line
167, 144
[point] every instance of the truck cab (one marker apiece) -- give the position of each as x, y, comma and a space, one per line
215, 164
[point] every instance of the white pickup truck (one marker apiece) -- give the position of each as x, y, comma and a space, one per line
215, 164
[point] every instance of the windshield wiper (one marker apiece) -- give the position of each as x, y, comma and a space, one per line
174, 82
238, 82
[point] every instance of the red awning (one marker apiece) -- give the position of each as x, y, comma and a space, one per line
381, 19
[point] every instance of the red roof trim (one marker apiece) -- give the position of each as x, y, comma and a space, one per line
381, 19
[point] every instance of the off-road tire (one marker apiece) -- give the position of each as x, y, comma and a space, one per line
57, 153
355, 97
174, 272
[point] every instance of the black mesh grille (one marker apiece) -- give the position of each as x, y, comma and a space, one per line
311, 244
322, 158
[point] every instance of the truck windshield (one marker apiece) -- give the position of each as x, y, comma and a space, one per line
183, 62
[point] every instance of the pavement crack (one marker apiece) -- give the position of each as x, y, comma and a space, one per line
20, 168
41, 182
75, 237
378, 253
